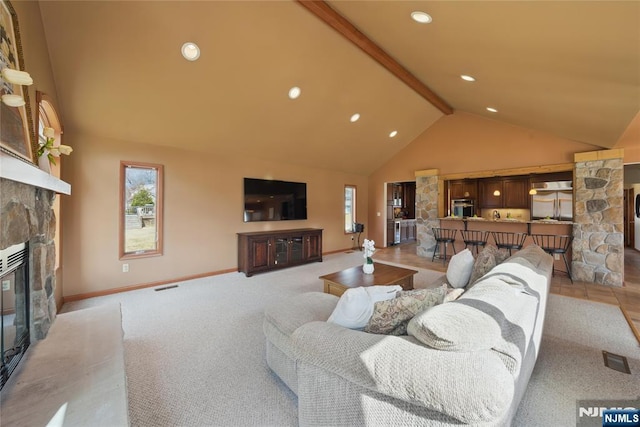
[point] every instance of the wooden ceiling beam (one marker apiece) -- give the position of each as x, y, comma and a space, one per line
332, 18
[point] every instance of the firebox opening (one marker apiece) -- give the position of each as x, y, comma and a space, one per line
14, 304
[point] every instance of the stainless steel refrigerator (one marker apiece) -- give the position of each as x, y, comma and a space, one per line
553, 200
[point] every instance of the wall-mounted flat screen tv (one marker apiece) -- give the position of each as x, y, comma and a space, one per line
273, 200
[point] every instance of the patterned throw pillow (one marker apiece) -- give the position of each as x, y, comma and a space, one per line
453, 294
501, 255
392, 316
484, 262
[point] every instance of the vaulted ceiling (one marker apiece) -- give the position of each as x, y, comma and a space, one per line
570, 68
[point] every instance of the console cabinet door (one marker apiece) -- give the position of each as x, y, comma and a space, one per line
260, 250
296, 248
313, 247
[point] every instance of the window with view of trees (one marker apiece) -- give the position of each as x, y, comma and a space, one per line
140, 209
349, 208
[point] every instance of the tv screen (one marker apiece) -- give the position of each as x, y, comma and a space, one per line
272, 200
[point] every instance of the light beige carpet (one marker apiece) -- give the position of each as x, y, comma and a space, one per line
195, 354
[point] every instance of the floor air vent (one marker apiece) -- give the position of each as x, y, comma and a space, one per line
165, 288
615, 361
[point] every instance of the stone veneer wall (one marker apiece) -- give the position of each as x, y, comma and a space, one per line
26, 215
426, 213
598, 245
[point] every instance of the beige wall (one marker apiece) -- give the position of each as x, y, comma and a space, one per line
203, 211
464, 142
203, 194
36, 63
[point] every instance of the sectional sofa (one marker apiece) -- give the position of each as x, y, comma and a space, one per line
465, 362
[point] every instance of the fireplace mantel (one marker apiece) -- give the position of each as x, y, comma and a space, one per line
26, 173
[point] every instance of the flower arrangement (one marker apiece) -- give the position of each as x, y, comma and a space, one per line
369, 249
52, 151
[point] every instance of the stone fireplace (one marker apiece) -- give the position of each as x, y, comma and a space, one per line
27, 218
26, 215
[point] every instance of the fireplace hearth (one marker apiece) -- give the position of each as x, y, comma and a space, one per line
14, 305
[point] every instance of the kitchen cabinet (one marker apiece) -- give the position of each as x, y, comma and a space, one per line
487, 189
407, 230
262, 251
409, 199
401, 231
397, 195
464, 189
515, 193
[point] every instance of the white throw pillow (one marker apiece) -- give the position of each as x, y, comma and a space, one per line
459, 269
355, 306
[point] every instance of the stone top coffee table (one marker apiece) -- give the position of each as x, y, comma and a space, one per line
337, 283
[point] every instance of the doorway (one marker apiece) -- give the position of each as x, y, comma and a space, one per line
631, 211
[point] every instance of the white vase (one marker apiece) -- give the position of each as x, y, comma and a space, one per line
44, 164
367, 268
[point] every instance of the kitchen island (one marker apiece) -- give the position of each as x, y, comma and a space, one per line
549, 227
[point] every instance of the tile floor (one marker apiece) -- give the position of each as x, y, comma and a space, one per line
627, 297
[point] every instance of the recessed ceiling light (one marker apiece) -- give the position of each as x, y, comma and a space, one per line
467, 78
393, 133
421, 17
493, 110
354, 118
190, 51
294, 92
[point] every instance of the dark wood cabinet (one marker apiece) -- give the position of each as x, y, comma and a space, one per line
515, 193
464, 189
261, 251
488, 197
409, 199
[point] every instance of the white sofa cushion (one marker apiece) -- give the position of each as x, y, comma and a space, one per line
355, 307
459, 269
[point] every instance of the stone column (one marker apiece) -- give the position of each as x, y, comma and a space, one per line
598, 245
26, 215
426, 211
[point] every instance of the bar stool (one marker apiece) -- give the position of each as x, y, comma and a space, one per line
474, 238
444, 236
509, 240
555, 244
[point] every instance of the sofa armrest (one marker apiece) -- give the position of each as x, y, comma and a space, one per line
469, 386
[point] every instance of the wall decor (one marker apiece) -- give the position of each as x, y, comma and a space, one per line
16, 123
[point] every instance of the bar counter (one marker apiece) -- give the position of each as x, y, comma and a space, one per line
552, 227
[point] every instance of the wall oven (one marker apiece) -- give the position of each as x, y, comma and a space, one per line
463, 207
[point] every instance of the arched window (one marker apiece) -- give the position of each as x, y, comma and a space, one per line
47, 117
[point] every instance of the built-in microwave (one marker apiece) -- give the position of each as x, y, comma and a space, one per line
463, 207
